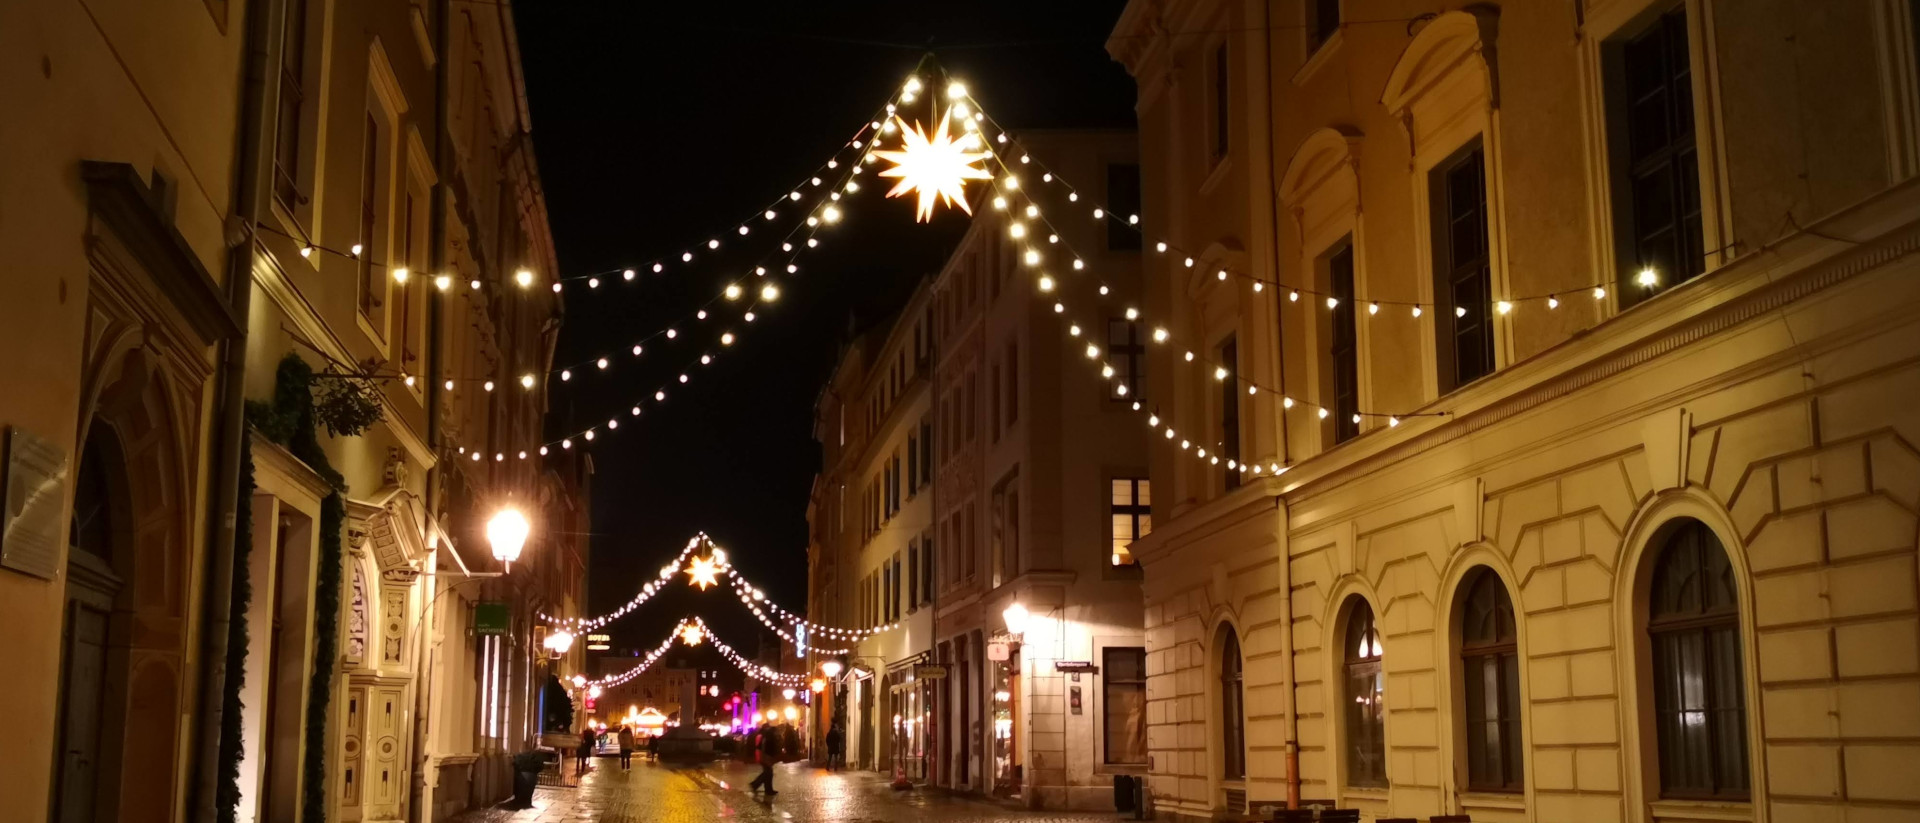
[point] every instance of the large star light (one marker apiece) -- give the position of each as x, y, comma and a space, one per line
703, 572
691, 634
936, 166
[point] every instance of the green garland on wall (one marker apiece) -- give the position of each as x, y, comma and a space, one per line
227, 793
291, 421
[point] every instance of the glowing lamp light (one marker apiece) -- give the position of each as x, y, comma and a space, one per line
787, 693
792, 713
818, 685
400, 275
1016, 617
507, 533
523, 277
1648, 277
935, 167
579, 681
559, 642
831, 668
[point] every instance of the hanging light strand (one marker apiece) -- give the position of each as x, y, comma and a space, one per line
1597, 292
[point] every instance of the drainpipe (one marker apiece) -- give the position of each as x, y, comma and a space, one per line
259, 99
437, 264
1280, 370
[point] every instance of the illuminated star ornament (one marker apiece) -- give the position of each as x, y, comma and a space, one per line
703, 572
690, 634
936, 166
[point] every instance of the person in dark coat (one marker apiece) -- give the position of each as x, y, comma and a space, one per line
769, 746
836, 747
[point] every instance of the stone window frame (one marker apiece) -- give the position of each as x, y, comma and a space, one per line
1603, 29
1633, 576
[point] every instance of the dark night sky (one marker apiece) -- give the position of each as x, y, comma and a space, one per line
660, 125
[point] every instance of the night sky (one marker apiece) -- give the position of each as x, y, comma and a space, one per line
660, 125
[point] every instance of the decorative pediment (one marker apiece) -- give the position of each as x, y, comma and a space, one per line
1445, 44
1326, 154
393, 528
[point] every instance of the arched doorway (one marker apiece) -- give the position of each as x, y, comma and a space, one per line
126, 614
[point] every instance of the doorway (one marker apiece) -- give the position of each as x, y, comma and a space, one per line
86, 763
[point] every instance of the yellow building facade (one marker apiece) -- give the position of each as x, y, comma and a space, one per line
1609, 306
210, 189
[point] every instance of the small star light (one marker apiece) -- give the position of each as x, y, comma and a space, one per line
691, 634
936, 166
703, 572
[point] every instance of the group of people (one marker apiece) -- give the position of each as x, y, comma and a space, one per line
625, 735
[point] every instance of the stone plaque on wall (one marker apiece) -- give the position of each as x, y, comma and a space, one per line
36, 489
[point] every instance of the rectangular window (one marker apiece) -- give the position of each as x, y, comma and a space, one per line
1219, 144
403, 303
1013, 382
1344, 354
969, 402
913, 574
1123, 202
1462, 269
1657, 175
1123, 693
286, 135
913, 464
1229, 359
1131, 512
970, 548
1323, 21
926, 452
993, 402
1127, 353
997, 537
926, 566
899, 586
370, 277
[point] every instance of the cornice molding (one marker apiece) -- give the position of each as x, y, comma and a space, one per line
120, 201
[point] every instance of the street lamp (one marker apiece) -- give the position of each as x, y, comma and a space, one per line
507, 531
579, 681
831, 669
787, 693
559, 642
1016, 617
819, 685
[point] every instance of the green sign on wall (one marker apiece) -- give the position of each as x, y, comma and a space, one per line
491, 619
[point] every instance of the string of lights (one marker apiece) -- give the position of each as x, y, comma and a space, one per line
1646, 277
752, 669
1007, 189
653, 587
825, 214
609, 681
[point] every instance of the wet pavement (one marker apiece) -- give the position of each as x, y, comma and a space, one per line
652, 793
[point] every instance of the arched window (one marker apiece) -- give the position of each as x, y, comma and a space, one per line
1490, 680
1365, 700
1233, 714
1699, 696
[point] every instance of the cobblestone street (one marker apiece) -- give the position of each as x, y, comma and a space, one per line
653, 793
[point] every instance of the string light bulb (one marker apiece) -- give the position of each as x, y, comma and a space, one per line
1648, 278
443, 282
400, 275
526, 381
524, 278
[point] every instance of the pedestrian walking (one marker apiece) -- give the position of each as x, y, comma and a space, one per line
584, 750
836, 747
626, 748
769, 749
